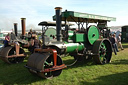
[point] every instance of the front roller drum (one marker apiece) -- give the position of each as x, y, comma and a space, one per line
39, 62
9, 51
102, 51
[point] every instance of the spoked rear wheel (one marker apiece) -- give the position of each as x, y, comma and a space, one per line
102, 50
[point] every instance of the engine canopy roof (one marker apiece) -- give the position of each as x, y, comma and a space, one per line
81, 17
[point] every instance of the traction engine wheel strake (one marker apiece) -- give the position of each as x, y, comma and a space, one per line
42, 62
102, 50
8, 51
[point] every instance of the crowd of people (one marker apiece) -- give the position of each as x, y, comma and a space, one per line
116, 42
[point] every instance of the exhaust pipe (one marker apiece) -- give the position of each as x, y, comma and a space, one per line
58, 23
15, 28
23, 26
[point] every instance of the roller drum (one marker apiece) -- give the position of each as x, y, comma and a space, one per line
8, 51
41, 62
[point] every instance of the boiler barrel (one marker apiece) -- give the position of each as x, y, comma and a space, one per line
71, 47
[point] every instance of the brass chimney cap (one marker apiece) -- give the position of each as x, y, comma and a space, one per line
58, 8
23, 18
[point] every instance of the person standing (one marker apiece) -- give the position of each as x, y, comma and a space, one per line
116, 47
119, 41
112, 39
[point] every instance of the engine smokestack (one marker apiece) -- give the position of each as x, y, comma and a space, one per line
15, 28
23, 26
58, 23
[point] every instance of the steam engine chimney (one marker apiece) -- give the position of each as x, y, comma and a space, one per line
58, 23
15, 28
23, 26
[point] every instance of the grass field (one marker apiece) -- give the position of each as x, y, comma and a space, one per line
82, 73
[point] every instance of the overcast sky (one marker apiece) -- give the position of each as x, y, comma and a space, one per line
36, 11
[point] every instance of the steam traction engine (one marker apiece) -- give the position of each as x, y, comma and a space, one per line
15, 53
46, 61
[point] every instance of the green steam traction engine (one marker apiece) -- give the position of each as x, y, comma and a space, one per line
46, 61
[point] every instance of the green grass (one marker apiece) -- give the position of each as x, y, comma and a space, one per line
82, 73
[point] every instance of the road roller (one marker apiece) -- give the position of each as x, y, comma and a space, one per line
82, 42
14, 53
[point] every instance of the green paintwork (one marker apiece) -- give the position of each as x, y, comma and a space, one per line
124, 34
71, 47
50, 31
93, 34
70, 34
125, 28
86, 15
101, 26
102, 56
79, 37
91, 17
